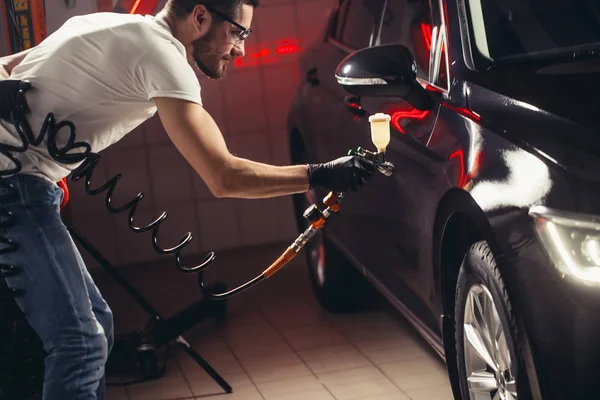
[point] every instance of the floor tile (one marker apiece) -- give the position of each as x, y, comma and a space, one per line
201, 383
365, 388
338, 364
303, 315
422, 364
244, 393
257, 351
416, 374
333, 358
261, 375
402, 350
277, 389
166, 388
312, 336
326, 352
442, 392
224, 362
318, 394
272, 360
204, 385
250, 335
341, 378
391, 396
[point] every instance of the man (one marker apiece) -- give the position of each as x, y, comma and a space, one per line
107, 73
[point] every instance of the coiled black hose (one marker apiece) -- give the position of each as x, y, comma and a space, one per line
25, 355
76, 152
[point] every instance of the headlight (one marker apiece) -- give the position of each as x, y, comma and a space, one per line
571, 240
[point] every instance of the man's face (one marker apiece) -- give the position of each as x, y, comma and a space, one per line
213, 51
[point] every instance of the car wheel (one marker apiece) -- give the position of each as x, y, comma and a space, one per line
489, 360
338, 286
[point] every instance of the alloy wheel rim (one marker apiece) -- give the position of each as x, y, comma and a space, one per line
315, 247
488, 363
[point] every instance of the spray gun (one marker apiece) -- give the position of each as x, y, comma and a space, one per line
380, 135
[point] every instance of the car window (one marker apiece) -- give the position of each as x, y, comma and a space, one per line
534, 28
355, 22
408, 22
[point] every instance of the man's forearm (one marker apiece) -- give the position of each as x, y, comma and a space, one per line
248, 179
197, 137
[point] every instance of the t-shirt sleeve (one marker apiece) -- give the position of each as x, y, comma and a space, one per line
164, 72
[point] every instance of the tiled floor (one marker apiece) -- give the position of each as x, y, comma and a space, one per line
276, 343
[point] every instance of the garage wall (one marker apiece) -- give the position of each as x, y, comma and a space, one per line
3, 44
250, 105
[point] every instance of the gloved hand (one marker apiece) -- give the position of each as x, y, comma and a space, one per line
341, 175
12, 97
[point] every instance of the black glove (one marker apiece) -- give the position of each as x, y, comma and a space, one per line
12, 97
341, 175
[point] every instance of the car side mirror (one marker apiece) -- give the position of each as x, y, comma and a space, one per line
383, 71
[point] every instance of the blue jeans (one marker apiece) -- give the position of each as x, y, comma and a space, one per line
60, 299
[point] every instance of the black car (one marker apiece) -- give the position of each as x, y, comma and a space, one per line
487, 236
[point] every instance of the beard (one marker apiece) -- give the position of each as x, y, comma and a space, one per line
209, 60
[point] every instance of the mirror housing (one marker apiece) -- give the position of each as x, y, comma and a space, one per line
383, 71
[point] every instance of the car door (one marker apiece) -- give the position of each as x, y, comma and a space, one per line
354, 27
386, 226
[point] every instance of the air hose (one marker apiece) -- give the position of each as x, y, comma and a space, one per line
332, 203
380, 134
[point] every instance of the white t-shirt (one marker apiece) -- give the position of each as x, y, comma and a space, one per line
99, 71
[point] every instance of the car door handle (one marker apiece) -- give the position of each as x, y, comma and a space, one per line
312, 77
354, 106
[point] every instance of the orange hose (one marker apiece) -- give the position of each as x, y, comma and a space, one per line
331, 201
281, 262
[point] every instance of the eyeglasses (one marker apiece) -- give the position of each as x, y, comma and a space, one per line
245, 32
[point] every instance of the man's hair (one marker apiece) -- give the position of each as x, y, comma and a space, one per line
181, 8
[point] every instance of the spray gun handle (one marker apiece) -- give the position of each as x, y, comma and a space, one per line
383, 166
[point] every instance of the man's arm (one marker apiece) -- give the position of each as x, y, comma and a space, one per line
8, 63
200, 141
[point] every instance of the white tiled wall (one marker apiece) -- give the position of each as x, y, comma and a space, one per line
250, 105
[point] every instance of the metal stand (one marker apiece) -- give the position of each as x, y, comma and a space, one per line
161, 331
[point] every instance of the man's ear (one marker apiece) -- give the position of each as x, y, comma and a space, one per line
202, 17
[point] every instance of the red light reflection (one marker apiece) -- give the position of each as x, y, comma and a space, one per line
141, 7
287, 49
413, 114
465, 112
466, 176
461, 161
427, 31
135, 7
427, 34
262, 53
269, 54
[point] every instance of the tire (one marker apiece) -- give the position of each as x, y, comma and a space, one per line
338, 286
482, 305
